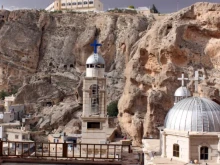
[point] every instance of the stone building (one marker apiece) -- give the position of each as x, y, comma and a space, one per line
94, 117
192, 130
76, 5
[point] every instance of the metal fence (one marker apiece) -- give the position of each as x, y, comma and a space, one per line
57, 151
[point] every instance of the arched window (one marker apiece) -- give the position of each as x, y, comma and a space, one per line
204, 153
94, 95
176, 150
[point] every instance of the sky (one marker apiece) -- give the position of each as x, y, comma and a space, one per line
164, 6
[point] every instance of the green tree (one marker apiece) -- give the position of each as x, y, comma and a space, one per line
3, 94
154, 9
112, 109
131, 7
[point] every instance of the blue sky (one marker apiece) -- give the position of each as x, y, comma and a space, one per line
164, 6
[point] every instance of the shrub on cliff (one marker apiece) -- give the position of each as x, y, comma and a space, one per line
131, 7
3, 94
112, 109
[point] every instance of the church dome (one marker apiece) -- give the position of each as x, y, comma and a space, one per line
95, 59
182, 92
194, 114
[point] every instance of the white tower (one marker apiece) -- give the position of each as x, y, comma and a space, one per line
182, 92
94, 117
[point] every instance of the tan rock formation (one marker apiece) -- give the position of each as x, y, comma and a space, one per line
181, 42
44, 54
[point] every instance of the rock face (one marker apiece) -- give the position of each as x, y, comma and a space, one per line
43, 55
182, 42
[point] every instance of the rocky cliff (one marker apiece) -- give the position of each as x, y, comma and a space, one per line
43, 56
182, 42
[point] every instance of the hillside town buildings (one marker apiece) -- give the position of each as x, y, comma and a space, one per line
12, 126
76, 5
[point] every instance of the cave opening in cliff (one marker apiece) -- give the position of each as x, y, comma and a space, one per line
65, 66
49, 104
71, 65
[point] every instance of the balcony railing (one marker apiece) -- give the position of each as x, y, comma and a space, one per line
63, 150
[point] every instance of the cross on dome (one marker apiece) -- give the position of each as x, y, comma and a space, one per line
95, 45
183, 79
197, 79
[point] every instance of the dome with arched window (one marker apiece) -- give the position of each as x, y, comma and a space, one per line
194, 114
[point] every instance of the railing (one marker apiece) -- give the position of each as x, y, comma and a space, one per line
63, 150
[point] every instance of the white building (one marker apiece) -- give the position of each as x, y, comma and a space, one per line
76, 5
143, 10
94, 117
95, 126
191, 131
13, 111
9, 100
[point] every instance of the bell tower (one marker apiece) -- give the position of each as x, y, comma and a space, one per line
94, 116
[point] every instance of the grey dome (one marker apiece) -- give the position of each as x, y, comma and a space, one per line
194, 114
95, 59
182, 92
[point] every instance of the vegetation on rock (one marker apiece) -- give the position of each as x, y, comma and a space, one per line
112, 109
131, 7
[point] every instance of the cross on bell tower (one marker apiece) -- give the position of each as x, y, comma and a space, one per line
183, 79
197, 79
95, 44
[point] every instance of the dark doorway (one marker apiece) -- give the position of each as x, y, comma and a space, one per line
93, 125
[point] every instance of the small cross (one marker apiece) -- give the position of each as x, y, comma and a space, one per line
183, 79
197, 79
95, 45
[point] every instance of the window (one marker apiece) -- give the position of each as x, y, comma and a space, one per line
74, 3
56, 140
90, 2
25, 146
79, 3
93, 125
63, 4
69, 4
16, 136
176, 150
94, 95
204, 153
85, 3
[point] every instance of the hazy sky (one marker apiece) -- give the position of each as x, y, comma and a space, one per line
163, 6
